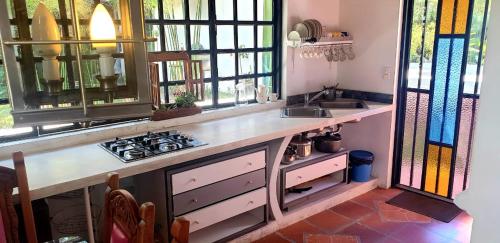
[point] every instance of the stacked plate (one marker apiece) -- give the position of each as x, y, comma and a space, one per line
308, 29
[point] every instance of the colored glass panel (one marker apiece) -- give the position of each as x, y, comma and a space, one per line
420, 134
439, 89
461, 16
431, 168
447, 9
453, 88
444, 171
411, 107
462, 146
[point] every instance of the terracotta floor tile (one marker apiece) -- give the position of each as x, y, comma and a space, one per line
329, 221
317, 238
418, 234
395, 214
365, 234
368, 199
321, 238
458, 229
389, 193
352, 210
376, 223
272, 238
296, 231
345, 239
389, 239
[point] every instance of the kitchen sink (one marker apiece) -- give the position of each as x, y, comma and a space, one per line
343, 104
305, 112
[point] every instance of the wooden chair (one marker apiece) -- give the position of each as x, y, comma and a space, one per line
124, 220
180, 231
193, 74
9, 224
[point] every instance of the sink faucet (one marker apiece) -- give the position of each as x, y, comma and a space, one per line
308, 101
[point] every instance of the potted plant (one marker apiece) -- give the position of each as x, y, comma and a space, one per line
184, 105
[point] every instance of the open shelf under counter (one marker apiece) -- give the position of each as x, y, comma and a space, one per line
320, 171
320, 185
332, 197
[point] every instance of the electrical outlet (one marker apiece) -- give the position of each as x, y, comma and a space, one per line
387, 73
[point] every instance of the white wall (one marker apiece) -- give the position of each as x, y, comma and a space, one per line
374, 26
309, 74
482, 199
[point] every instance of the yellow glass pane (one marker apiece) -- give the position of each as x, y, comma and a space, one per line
431, 169
461, 19
446, 16
444, 171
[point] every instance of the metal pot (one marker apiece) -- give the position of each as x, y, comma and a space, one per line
302, 144
329, 143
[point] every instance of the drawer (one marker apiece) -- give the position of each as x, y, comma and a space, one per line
201, 197
226, 209
202, 176
315, 171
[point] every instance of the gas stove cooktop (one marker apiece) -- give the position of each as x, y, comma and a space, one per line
149, 145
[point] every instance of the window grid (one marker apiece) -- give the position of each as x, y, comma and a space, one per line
214, 51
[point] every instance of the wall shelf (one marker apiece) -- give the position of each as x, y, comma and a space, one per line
327, 42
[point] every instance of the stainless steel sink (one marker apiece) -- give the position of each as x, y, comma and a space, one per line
343, 104
305, 112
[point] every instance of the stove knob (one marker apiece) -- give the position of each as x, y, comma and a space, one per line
114, 148
176, 136
108, 144
121, 153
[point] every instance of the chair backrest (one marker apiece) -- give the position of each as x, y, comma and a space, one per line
193, 74
124, 220
180, 231
9, 179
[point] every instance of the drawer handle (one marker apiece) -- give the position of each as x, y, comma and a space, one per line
196, 222
194, 200
250, 163
193, 179
336, 164
250, 202
250, 182
299, 177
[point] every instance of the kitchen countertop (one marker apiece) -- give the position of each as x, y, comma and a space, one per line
63, 170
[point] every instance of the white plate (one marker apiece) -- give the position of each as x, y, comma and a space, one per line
303, 30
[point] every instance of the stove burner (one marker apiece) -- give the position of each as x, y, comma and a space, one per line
135, 153
149, 145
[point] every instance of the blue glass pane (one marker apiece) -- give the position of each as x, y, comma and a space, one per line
439, 89
453, 86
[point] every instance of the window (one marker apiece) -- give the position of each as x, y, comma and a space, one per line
246, 48
237, 41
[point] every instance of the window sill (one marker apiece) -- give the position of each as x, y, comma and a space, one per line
94, 135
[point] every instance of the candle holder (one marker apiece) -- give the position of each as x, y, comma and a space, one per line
53, 87
108, 84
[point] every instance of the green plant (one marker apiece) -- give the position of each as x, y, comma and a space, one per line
184, 100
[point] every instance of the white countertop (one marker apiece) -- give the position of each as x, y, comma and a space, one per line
58, 171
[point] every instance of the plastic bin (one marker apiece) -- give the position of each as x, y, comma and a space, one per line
361, 165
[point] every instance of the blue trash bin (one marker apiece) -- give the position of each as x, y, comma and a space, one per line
361, 165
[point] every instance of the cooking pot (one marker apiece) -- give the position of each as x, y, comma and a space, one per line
329, 143
302, 144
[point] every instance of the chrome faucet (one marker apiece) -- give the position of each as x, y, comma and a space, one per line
308, 101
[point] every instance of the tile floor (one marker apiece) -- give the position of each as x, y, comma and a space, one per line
368, 218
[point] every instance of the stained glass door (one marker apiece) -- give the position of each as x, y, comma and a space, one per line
444, 44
